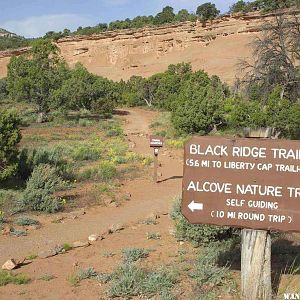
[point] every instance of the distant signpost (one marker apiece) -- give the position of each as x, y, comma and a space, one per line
247, 183
156, 142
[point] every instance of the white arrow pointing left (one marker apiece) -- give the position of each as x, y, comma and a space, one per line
195, 206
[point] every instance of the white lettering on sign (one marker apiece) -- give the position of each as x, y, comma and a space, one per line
156, 142
235, 202
286, 153
255, 189
264, 167
252, 204
209, 150
260, 217
287, 168
254, 152
277, 218
237, 165
251, 216
294, 192
263, 204
212, 187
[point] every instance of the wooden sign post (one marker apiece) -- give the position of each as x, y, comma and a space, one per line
256, 252
155, 161
256, 265
156, 142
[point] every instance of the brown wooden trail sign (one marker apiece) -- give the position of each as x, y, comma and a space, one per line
247, 183
156, 141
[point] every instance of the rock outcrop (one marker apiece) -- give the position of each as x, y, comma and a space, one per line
216, 47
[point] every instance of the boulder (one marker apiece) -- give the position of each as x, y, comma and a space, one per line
79, 244
10, 265
93, 237
116, 228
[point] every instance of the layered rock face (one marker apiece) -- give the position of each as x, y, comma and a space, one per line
215, 48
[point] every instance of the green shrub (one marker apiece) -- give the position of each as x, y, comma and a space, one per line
87, 174
8, 277
47, 277
210, 274
149, 221
197, 234
83, 274
116, 147
34, 77
53, 156
17, 232
207, 269
83, 90
107, 170
31, 257
129, 281
280, 114
160, 283
38, 195
67, 247
153, 236
111, 129
73, 280
147, 161
108, 254
3, 89
119, 160
25, 221
2, 219
7, 196
134, 254
85, 123
10, 136
199, 105
87, 273
207, 11
85, 152
104, 172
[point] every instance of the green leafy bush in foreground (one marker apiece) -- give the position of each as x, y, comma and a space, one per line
129, 280
53, 156
38, 195
212, 274
105, 171
10, 136
134, 254
197, 234
26, 221
8, 277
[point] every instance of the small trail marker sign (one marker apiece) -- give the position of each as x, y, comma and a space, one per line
156, 142
247, 183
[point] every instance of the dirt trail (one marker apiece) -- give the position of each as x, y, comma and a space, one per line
146, 197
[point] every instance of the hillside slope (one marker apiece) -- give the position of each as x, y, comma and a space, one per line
216, 48
5, 33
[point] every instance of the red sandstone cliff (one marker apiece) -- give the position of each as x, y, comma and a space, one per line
216, 48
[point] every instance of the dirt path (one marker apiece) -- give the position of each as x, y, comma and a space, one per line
146, 197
